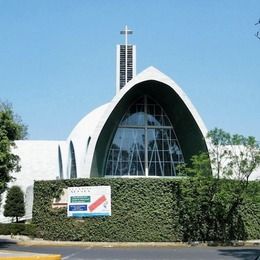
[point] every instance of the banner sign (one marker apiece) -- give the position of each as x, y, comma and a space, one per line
89, 201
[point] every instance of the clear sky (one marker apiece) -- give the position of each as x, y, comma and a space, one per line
57, 57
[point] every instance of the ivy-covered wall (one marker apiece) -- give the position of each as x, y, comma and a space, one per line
146, 209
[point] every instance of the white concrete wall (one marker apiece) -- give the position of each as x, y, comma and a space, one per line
39, 161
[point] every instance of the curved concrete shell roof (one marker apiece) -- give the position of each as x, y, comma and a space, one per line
81, 136
189, 127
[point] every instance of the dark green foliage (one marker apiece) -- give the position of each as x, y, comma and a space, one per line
146, 209
11, 123
18, 229
11, 129
214, 210
14, 204
199, 167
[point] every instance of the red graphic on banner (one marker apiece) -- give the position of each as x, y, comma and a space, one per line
97, 203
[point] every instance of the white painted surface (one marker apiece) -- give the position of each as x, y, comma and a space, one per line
38, 162
80, 137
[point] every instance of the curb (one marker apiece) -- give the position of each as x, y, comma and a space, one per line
18, 255
103, 244
137, 244
36, 257
26, 241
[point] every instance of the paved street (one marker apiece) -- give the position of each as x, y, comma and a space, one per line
195, 253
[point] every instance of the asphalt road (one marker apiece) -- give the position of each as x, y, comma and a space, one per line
194, 253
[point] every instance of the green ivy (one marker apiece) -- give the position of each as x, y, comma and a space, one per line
151, 210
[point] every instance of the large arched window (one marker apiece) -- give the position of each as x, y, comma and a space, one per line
72, 163
145, 143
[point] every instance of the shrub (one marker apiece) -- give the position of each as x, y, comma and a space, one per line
18, 229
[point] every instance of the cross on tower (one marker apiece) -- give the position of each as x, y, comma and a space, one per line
126, 31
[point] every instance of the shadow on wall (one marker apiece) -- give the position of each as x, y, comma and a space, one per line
28, 202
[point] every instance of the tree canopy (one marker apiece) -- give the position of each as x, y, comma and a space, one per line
11, 129
233, 156
229, 156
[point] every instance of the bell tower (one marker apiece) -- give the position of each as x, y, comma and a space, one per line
125, 61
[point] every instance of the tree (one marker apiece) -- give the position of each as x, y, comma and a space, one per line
11, 129
14, 204
233, 156
199, 167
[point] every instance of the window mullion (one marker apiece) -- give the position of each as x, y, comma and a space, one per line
146, 137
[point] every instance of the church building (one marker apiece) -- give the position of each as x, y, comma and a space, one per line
147, 130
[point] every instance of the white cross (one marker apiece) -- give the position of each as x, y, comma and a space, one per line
126, 31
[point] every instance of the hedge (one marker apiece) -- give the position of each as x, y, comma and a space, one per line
18, 229
151, 209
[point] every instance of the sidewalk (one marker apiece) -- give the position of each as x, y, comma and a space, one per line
26, 241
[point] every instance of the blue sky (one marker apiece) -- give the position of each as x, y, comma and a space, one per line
57, 57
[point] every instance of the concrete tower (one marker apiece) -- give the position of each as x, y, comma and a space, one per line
125, 61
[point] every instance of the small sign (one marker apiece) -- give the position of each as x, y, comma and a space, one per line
78, 207
89, 201
79, 199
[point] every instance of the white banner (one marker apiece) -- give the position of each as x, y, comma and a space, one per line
89, 201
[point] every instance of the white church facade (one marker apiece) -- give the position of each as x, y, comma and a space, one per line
147, 129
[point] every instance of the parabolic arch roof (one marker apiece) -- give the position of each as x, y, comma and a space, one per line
92, 136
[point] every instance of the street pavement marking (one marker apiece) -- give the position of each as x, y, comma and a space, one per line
76, 253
